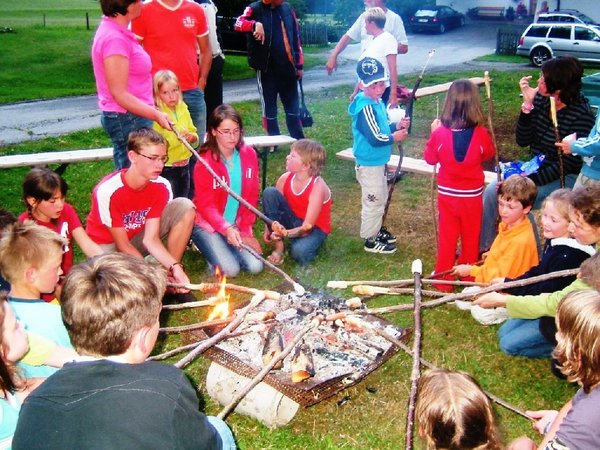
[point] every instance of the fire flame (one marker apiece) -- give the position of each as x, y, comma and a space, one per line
221, 309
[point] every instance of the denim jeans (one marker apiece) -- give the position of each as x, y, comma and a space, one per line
522, 337
223, 431
304, 249
490, 208
218, 252
118, 126
194, 99
179, 177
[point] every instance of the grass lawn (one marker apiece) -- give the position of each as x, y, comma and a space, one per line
451, 338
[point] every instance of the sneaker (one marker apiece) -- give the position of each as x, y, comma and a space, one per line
374, 245
385, 236
392, 178
489, 316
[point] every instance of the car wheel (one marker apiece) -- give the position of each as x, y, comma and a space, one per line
538, 55
442, 28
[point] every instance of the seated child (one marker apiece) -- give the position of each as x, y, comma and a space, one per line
30, 259
168, 99
576, 425
514, 250
301, 202
44, 193
111, 396
454, 413
372, 148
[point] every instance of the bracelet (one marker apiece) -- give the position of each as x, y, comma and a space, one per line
172, 266
527, 107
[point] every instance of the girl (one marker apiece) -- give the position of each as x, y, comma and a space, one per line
460, 144
222, 223
44, 193
454, 413
167, 96
576, 425
301, 202
524, 337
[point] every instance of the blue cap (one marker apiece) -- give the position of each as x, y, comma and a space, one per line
370, 71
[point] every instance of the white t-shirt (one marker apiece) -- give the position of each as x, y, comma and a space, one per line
393, 25
379, 47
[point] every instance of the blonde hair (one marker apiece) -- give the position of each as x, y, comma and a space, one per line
454, 413
312, 153
518, 188
578, 349
160, 78
561, 199
25, 245
375, 15
589, 271
109, 298
462, 108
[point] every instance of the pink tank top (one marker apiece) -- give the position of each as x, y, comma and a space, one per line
299, 203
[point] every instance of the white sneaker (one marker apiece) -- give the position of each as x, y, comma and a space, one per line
463, 305
489, 316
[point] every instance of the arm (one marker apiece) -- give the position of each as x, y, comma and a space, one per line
205, 60
551, 434
391, 60
339, 48
156, 248
430, 154
122, 242
89, 247
369, 127
116, 69
536, 306
250, 190
589, 146
298, 53
246, 23
320, 193
402, 48
206, 204
43, 351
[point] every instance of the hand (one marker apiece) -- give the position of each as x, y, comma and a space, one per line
163, 120
491, 300
233, 236
299, 74
527, 91
190, 137
435, 124
544, 419
404, 124
462, 270
180, 277
522, 443
259, 32
352, 96
393, 101
400, 135
267, 235
331, 65
253, 243
202, 83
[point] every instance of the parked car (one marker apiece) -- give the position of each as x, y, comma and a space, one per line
566, 15
436, 18
542, 41
231, 40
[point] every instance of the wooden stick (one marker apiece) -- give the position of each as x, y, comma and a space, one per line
557, 137
189, 305
417, 269
392, 185
239, 317
214, 287
266, 369
196, 326
488, 91
298, 288
401, 283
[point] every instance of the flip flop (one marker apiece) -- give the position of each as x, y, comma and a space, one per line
276, 258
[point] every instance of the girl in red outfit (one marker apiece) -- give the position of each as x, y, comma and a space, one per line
460, 144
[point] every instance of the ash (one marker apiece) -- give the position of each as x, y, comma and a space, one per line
338, 350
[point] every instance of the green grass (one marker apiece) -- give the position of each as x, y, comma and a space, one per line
450, 337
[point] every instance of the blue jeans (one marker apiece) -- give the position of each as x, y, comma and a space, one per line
490, 208
118, 126
304, 249
194, 99
218, 252
522, 337
223, 431
179, 177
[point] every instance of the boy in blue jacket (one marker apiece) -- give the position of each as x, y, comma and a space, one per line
373, 139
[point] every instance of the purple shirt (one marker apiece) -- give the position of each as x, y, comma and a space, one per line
113, 39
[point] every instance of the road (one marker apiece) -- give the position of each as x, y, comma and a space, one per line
33, 120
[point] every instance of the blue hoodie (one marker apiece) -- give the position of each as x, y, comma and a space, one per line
589, 150
372, 133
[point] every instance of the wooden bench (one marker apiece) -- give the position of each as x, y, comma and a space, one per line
490, 12
263, 145
413, 165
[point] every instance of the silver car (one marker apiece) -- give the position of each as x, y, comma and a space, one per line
542, 41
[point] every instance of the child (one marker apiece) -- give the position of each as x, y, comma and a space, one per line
30, 259
167, 96
576, 425
301, 202
373, 139
561, 252
454, 413
460, 144
6, 218
514, 250
112, 397
44, 193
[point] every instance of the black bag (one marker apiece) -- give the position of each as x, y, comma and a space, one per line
305, 115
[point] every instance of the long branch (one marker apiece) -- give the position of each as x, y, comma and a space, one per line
417, 268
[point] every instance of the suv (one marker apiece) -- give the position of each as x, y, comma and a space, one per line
566, 16
542, 41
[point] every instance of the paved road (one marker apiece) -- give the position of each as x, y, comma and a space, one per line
39, 119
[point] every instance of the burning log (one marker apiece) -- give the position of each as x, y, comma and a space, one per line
261, 375
417, 268
235, 322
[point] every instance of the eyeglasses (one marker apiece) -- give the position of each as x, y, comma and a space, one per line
232, 133
162, 159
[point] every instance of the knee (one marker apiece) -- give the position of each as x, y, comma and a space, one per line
303, 256
509, 346
229, 269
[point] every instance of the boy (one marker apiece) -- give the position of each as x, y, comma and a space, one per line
111, 397
514, 251
133, 209
373, 139
30, 259
301, 202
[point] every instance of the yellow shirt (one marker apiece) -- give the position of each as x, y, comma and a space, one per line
40, 350
182, 120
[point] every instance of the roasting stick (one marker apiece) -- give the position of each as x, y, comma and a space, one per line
266, 369
370, 291
490, 117
399, 283
214, 287
417, 269
298, 288
237, 320
196, 326
557, 137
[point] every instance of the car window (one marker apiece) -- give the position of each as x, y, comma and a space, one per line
585, 34
560, 32
538, 31
425, 13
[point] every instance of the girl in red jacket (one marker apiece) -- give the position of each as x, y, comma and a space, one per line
460, 144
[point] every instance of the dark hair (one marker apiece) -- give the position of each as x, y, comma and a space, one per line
219, 114
41, 183
563, 73
138, 139
112, 8
586, 201
6, 218
462, 108
7, 371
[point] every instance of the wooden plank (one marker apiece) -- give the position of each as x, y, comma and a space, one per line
414, 165
439, 88
268, 141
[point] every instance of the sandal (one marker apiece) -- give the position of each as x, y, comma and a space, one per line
276, 258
